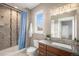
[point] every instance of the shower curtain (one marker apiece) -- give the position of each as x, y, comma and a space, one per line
22, 33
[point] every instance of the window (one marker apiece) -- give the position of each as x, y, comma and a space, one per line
39, 22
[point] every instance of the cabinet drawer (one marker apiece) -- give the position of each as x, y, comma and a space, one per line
43, 46
42, 50
42, 54
58, 51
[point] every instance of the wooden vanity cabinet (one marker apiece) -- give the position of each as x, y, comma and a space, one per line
58, 52
45, 50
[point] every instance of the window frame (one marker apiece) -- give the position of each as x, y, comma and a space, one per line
36, 30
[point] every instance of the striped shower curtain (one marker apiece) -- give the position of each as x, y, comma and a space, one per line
22, 33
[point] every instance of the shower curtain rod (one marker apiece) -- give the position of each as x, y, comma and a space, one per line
11, 7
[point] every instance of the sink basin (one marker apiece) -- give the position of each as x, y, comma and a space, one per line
62, 45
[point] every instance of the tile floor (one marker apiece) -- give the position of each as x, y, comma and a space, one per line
13, 51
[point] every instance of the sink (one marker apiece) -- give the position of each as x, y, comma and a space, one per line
62, 45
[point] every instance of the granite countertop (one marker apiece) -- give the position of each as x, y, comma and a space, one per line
74, 49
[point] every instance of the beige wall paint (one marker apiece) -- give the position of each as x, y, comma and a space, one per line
46, 8
28, 39
77, 23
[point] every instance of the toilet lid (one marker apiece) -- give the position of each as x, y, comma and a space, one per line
31, 49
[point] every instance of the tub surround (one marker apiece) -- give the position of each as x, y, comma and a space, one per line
9, 27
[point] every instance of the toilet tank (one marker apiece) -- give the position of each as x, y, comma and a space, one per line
36, 43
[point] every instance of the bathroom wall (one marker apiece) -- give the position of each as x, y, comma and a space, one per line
9, 25
77, 23
28, 39
46, 8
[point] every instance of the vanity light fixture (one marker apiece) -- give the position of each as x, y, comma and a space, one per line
63, 9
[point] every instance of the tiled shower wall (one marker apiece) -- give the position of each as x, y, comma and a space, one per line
9, 25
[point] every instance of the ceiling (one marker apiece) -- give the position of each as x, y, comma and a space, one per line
23, 5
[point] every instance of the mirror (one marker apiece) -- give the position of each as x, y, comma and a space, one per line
64, 26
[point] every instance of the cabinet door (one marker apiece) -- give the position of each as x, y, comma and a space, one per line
52, 50
58, 51
50, 54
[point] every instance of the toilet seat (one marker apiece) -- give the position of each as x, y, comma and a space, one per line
31, 51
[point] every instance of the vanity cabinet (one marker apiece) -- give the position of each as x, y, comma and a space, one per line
45, 50
58, 52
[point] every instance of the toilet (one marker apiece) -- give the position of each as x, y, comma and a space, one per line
31, 51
